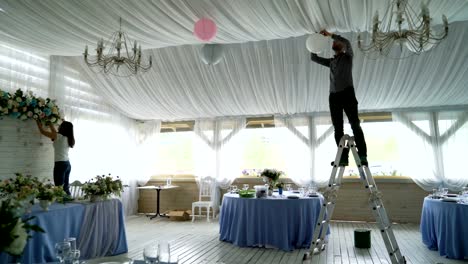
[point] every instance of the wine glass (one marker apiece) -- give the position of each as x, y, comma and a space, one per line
62, 249
444, 191
302, 191
164, 252
288, 187
73, 256
312, 189
150, 254
245, 187
72, 241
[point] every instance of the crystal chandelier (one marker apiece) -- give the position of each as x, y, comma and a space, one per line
412, 30
118, 60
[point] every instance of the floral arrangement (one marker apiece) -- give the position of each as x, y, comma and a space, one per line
102, 186
271, 176
14, 230
26, 106
21, 187
50, 192
251, 172
280, 184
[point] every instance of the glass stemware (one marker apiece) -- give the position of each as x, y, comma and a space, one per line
150, 254
245, 187
288, 187
164, 252
62, 250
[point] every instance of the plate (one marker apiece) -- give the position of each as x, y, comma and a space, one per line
451, 195
313, 195
293, 197
450, 199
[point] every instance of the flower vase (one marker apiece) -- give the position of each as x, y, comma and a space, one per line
45, 204
280, 191
270, 192
96, 198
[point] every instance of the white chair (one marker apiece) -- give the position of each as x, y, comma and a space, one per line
76, 190
204, 198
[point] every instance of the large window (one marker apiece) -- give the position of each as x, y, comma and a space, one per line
175, 153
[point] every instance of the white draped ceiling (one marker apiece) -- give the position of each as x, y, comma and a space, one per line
266, 68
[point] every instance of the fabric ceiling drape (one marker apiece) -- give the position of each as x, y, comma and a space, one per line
277, 77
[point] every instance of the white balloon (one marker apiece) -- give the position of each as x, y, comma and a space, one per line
212, 54
317, 43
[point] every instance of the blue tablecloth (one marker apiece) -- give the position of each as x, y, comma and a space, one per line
444, 227
286, 224
93, 224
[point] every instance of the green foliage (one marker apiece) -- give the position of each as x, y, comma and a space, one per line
102, 186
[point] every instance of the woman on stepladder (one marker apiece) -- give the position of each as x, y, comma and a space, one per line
63, 140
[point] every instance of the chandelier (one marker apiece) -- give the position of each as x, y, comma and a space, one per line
119, 60
412, 31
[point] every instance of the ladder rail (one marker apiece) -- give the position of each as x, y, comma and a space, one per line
375, 203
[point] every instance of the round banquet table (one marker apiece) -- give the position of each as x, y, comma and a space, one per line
444, 227
277, 222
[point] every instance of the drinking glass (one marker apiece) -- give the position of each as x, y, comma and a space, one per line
288, 187
62, 249
302, 191
168, 182
73, 257
150, 254
312, 189
72, 241
164, 252
444, 191
246, 187
464, 191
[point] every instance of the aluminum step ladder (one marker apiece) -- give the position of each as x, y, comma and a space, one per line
330, 195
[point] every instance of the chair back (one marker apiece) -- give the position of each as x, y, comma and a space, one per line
76, 190
206, 188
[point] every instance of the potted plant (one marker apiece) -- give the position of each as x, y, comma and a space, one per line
20, 188
48, 193
270, 177
101, 187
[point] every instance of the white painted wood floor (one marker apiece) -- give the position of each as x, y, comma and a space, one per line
199, 243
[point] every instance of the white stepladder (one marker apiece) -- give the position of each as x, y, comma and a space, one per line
375, 202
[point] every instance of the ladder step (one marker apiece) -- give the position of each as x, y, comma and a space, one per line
394, 251
386, 228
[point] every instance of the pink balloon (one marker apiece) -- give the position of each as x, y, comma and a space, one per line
205, 29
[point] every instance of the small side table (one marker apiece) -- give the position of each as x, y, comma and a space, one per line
158, 191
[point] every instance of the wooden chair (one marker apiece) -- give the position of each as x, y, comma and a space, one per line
204, 198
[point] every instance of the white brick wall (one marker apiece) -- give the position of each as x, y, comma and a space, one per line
23, 149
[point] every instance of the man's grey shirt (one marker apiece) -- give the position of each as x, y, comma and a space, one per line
341, 66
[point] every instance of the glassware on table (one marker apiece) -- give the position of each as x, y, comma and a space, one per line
150, 254
72, 241
62, 250
73, 257
288, 187
312, 189
233, 188
164, 253
435, 193
245, 187
168, 181
464, 191
302, 191
443, 191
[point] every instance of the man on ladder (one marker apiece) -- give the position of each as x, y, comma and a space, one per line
342, 98
342, 95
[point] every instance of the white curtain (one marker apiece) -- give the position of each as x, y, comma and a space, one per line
302, 138
216, 152
432, 147
20, 69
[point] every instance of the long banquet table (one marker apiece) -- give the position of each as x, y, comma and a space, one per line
282, 223
444, 227
98, 227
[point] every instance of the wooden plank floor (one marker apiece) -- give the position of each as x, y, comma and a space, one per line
199, 243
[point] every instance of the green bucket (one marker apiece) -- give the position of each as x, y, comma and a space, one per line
362, 238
